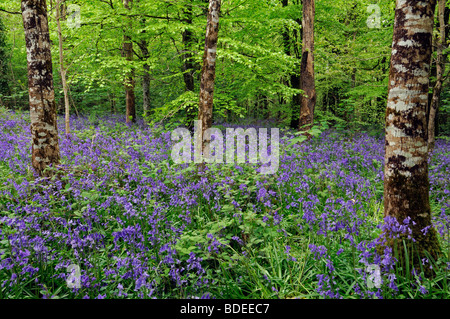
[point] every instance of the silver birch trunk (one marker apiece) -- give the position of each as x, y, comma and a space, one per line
406, 184
44, 130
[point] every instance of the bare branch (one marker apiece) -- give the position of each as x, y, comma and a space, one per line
10, 12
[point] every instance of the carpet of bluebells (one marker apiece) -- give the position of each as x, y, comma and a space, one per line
139, 226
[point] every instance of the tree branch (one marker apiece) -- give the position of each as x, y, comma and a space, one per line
10, 12
108, 3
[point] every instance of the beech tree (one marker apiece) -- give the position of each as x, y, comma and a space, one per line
62, 70
44, 130
441, 58
129, 77
307, 83
4, 86
188, 66
205, 114
290, 42
145, 55
406, 184
143, 45
187, 39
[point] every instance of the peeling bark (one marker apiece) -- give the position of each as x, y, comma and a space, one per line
406, 184
129, 78
307, 83
44, 130
209, 73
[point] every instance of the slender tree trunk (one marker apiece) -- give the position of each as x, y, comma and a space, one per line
307, 83
11, 90
129, 78
4, 85
205, 114
44, 130
62, 69
187, 38
406, 184
189, 66
145, 78
265, 107
296, 102
295, 78
112, 102
440, 70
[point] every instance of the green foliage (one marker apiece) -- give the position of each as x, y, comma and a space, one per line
176, 112
225, 107
352, 60
253, 62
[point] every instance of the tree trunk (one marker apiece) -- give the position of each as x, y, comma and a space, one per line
307, 84
44, 130
295, 78
129, 78
4, 85
265, 107
189, 66
406, 184
145, 79
440, 69
112, 99
187, 38
62, 69
208, 74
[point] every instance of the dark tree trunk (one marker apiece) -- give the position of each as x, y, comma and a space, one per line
440, 70
44, 130
189, 66
265, 112
307, 83
60, 9
296, 102
406, 184
4, 85
205, 114
295, 78
145, 79
129, 78
112, 99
